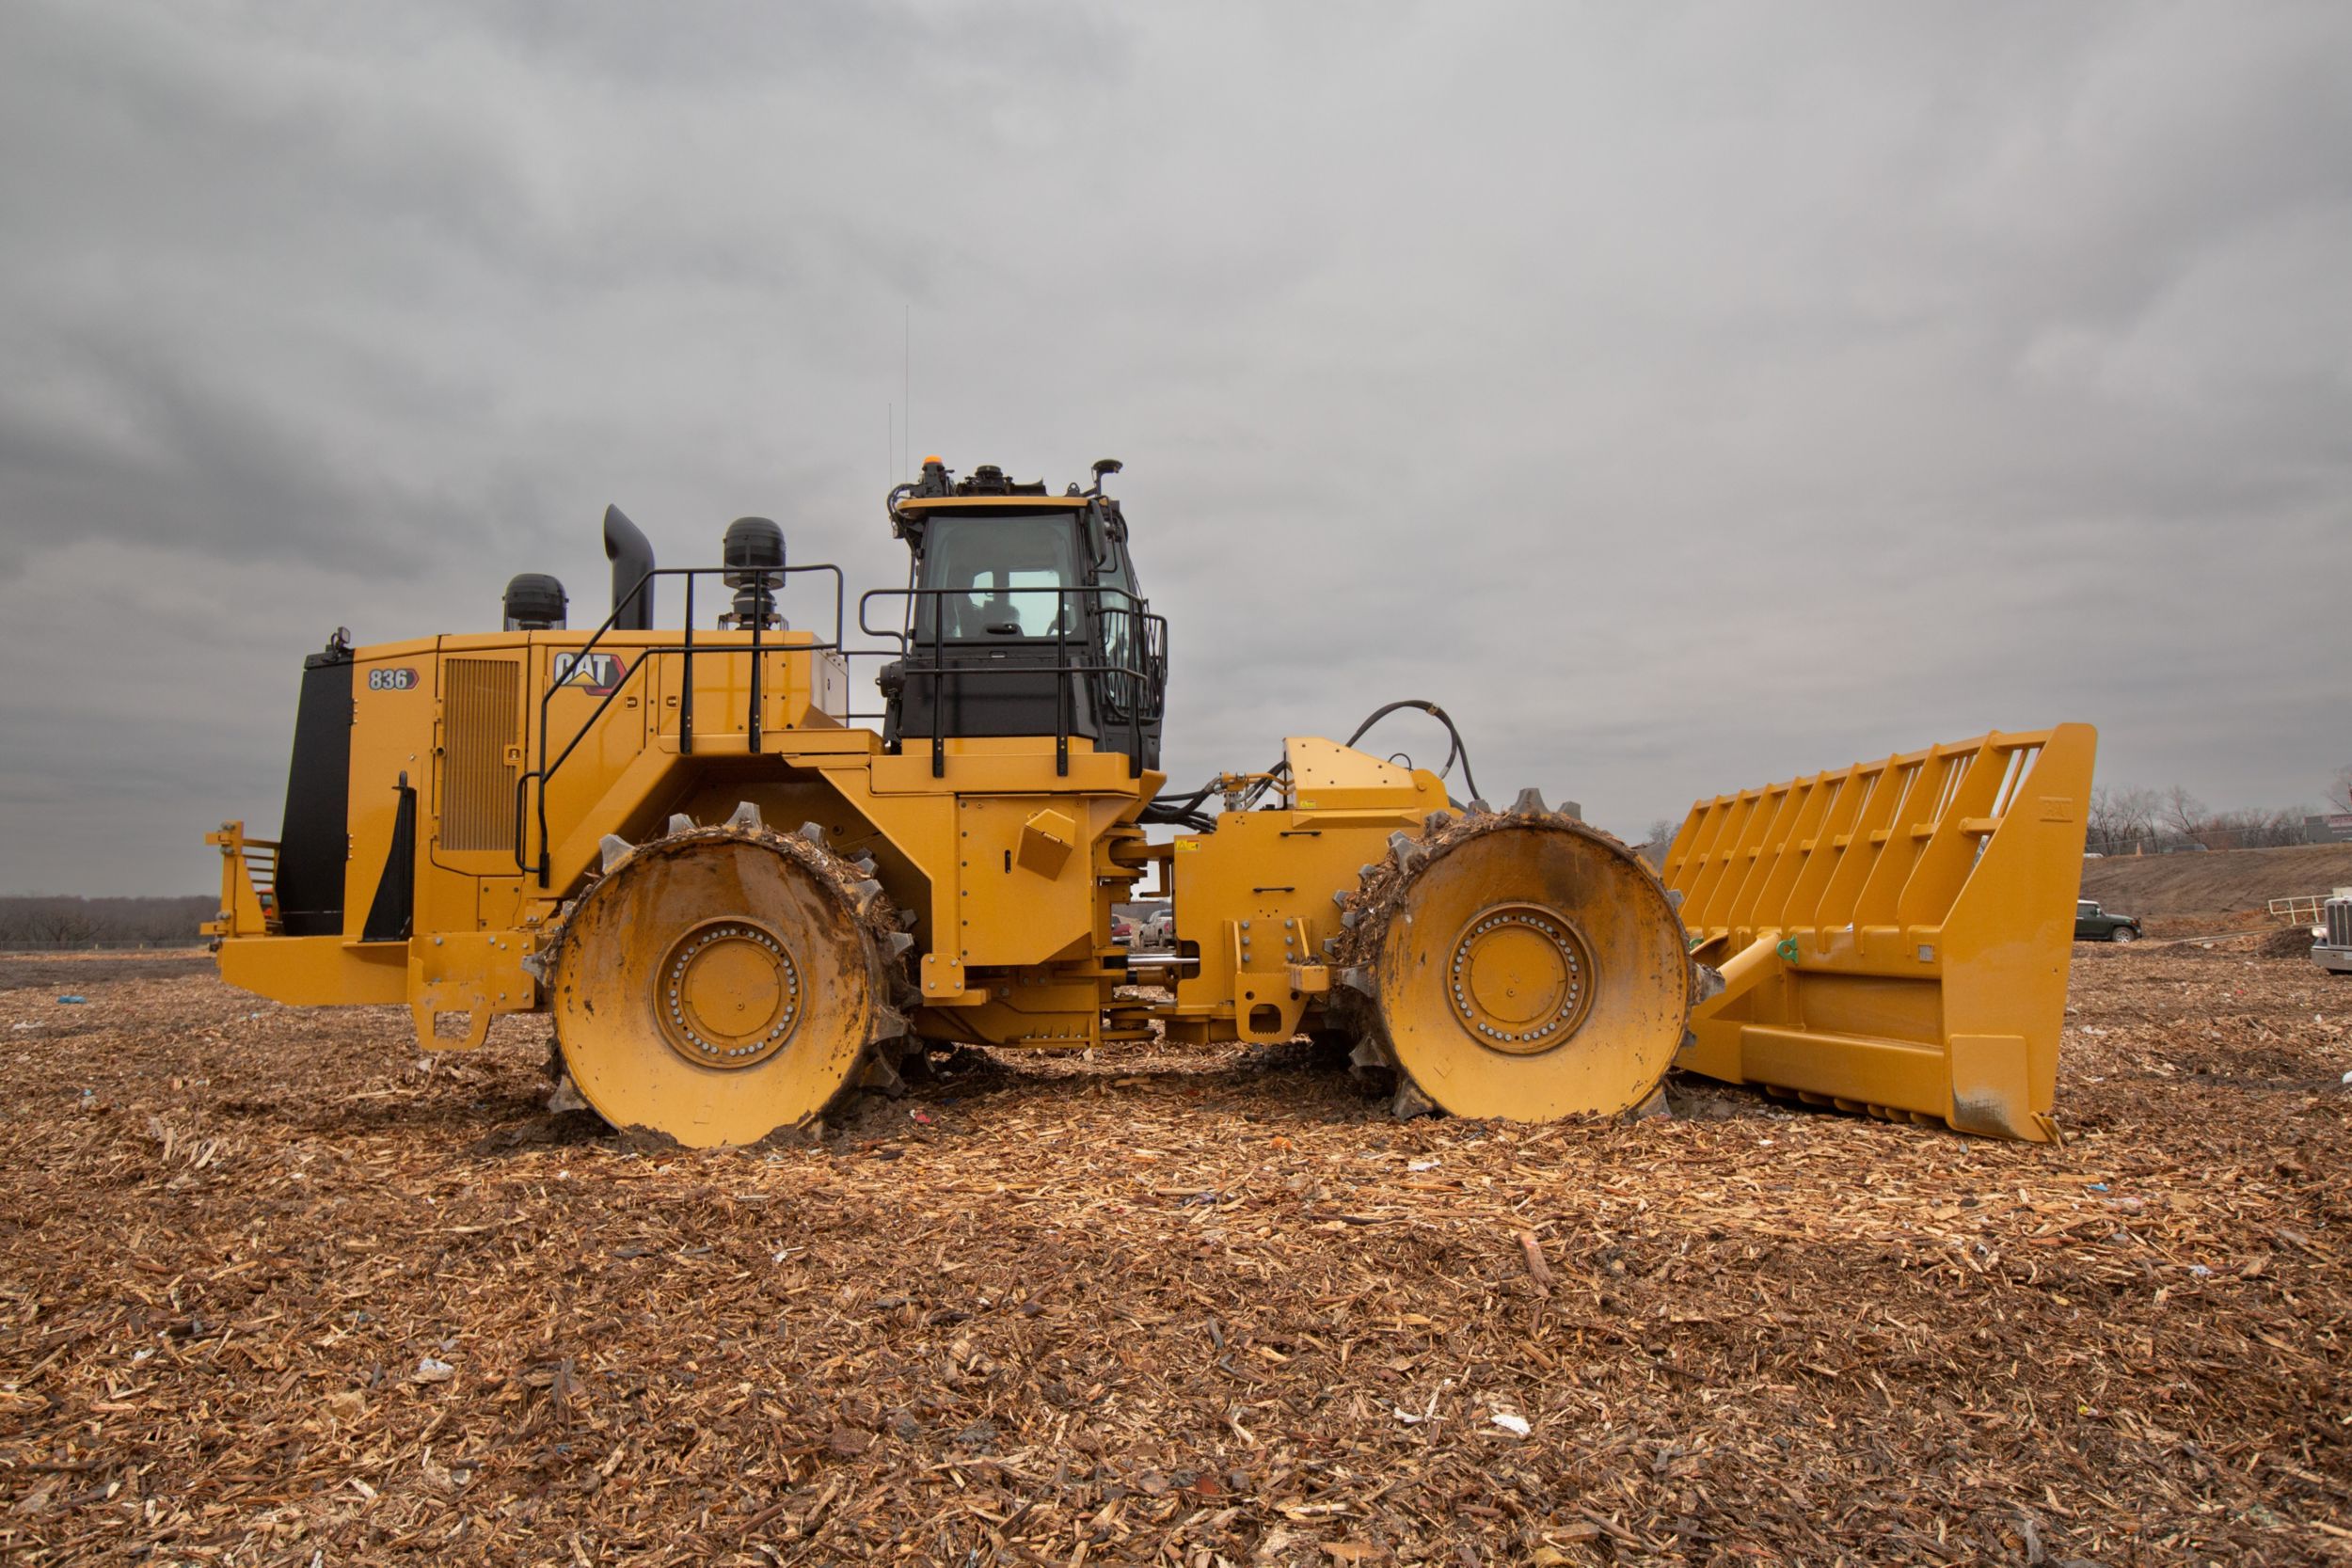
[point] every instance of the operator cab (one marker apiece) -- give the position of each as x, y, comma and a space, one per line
1022, 617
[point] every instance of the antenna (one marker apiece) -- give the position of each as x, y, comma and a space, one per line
906, 372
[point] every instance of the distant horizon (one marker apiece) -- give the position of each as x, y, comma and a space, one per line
118, 898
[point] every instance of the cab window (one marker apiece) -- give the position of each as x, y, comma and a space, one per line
1002, 577
1122, 627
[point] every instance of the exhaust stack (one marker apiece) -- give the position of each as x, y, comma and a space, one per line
626, 547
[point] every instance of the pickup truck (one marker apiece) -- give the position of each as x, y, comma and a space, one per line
2093, 923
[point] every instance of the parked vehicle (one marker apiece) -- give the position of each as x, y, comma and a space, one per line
2333, 950
2093, 923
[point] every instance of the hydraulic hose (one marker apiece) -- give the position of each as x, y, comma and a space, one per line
1183, 810
1454, 750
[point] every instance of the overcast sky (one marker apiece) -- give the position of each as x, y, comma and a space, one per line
1685, 397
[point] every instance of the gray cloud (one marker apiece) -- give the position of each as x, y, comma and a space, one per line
1684, 396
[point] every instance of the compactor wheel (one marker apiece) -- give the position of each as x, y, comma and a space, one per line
1520, 965
721, 983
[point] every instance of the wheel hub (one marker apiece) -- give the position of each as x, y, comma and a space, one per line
1520, 978
727, 995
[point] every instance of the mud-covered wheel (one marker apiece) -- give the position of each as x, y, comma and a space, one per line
1519, 965
2123, 933
722, 984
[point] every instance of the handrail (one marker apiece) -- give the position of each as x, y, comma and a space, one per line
544, 773
1136, 606
1134, 682
2300, 909
934, 642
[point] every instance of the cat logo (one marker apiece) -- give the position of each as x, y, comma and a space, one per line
595, 673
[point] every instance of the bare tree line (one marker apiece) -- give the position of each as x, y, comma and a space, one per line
62, 922
2127, 820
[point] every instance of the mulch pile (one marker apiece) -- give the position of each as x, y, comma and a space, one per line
2290, 942
271, 1292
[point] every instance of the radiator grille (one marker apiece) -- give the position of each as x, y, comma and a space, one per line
2340, 923
481, 705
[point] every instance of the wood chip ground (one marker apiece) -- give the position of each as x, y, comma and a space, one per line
271, 1291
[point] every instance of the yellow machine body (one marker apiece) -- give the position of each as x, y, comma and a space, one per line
1010, 866
740, 900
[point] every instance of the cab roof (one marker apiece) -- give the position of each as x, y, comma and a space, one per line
992, 503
